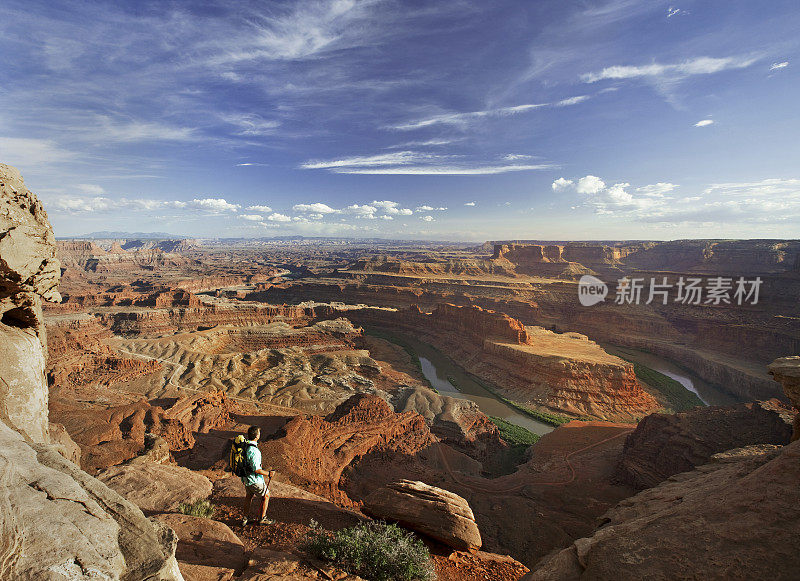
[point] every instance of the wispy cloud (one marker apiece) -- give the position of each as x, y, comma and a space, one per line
249, 124
443, 170
778, 66
696, 66
30, 152
398, 158
704, 123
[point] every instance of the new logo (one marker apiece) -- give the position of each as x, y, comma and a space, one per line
591, 290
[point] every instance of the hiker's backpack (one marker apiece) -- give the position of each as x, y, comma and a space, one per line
237, 460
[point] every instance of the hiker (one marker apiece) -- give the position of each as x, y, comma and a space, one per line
246, 463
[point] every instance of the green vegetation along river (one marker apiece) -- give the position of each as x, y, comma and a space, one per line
448, 378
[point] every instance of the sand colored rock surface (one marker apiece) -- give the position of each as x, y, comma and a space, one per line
64, 444
786, 371
156, 487
202, 541
663, 445
59, 522
29, 273
435, 512
734, 518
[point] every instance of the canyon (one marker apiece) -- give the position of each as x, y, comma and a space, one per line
129, 362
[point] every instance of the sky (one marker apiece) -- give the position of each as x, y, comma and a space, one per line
463, 120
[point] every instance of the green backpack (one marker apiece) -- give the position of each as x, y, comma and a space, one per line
237, 461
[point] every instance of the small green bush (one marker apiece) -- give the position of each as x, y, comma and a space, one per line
201, 508
373, 550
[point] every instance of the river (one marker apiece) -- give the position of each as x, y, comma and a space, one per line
437, 368
708, 394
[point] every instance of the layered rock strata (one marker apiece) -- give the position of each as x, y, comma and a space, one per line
663, 445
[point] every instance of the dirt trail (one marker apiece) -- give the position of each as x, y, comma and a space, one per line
520, 486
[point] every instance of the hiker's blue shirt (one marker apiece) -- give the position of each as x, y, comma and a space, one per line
252, 459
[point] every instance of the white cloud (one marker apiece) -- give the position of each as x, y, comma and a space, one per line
427, 218
214, 205
252, 217
655, 190
386, 218
516, 157
361, 211
561, 184
259, 208
673, 11
590, 185
470, 204
250, 125
91, 189
276, 217
572, 101
315, 208
396, 158
307, 30
778, 66
704, 123
696, 66
75, 205
464, 119
426, 143
390, 207
443, 170
426, 208
109, 129
24, 152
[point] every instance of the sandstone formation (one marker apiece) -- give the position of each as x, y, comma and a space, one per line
60, 523
786, 371
29, 273
564, 372
438, 513
734, 518
111, 435
56, 521
156, 487
61, 441
663, 445
313, 452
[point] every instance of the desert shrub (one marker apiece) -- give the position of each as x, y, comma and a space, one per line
373, 550
201, 508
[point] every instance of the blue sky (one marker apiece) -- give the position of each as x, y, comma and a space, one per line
460, 120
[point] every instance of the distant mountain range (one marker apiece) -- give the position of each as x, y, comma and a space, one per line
105, 234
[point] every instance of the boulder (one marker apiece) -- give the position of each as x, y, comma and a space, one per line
64, 444
57, 522
786, 371
156, 487
438, 513
202, 541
